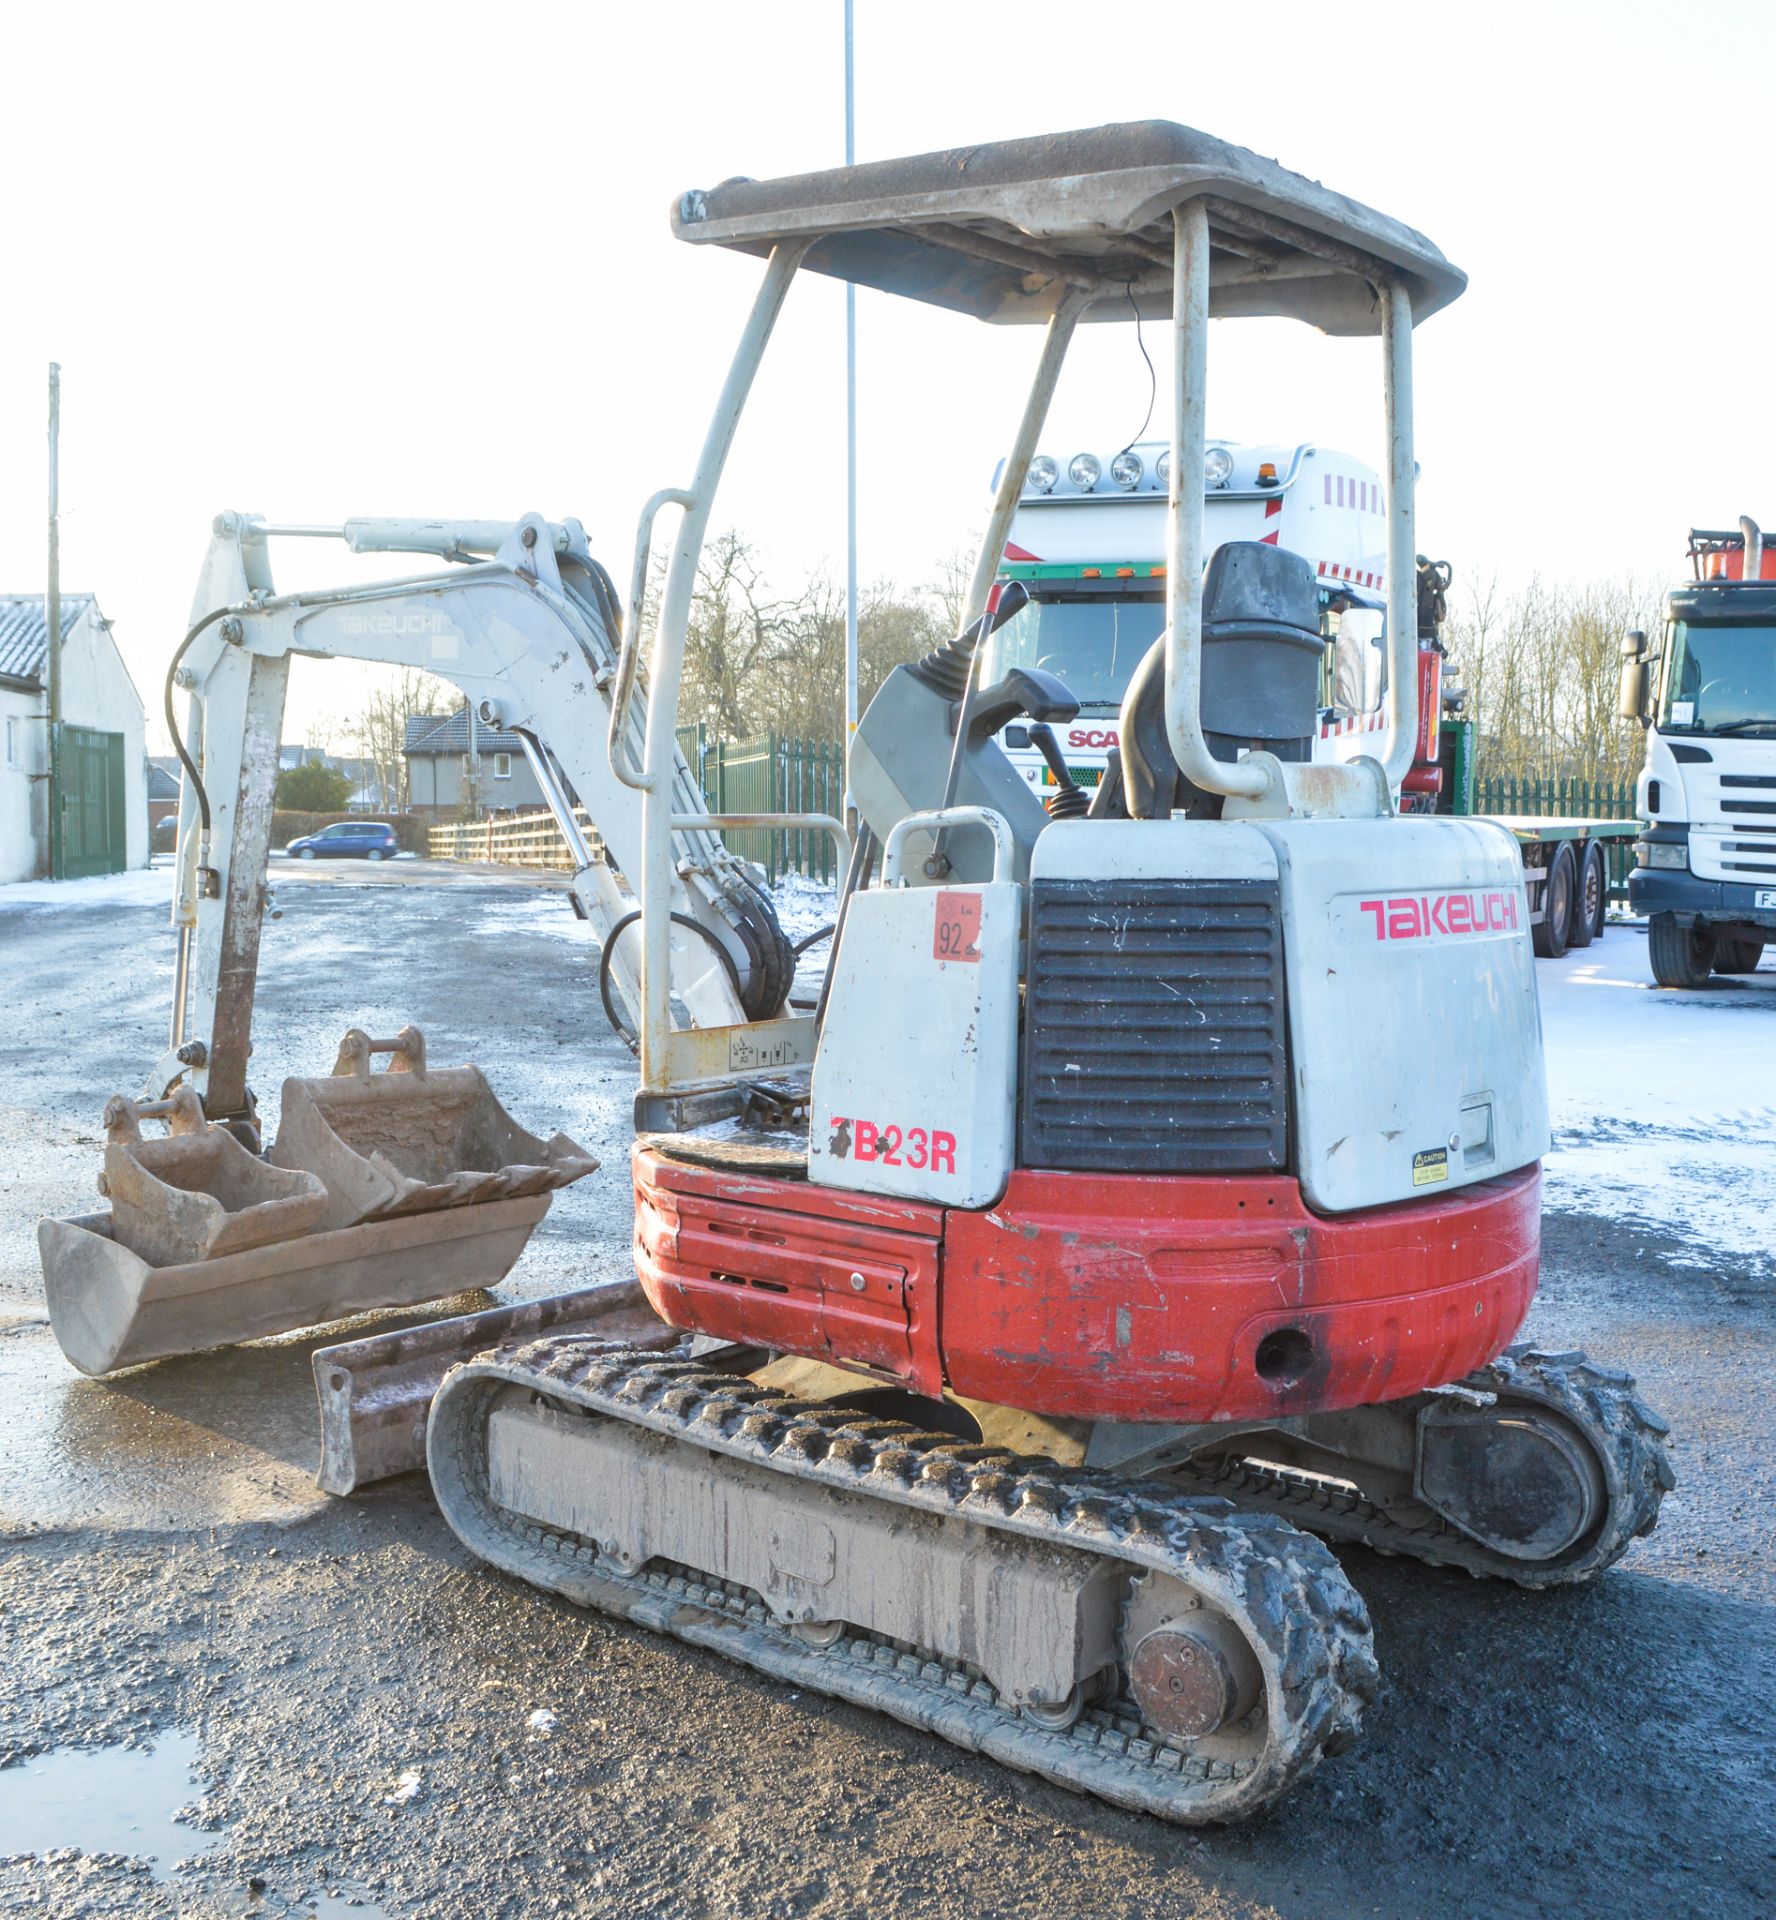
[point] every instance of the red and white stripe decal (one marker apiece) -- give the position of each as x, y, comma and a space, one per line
1354, 723
1336, 490
1356, 575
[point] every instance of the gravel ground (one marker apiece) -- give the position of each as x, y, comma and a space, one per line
378, 1725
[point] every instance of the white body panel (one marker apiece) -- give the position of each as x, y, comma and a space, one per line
1152, 850
915, 1078
1727, 842
1414, 1028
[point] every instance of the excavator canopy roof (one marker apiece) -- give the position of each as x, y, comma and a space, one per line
998, 231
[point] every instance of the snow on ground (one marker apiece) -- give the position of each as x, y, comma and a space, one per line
145, 887
1663, 1104
804, 907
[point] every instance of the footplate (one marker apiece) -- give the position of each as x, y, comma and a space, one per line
1160, 1650
1586, 1449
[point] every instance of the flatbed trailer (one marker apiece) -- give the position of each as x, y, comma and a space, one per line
1566, 865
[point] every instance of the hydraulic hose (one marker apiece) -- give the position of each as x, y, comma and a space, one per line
629, 1038
185, 759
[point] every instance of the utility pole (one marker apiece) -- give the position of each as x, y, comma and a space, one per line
52, 613
850, 443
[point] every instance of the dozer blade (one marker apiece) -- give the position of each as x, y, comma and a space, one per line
412, 1139
375, 1394
1117, 1637
198, 1194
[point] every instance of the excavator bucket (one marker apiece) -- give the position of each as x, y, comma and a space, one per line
411, 1140
370, 1200
198, 1194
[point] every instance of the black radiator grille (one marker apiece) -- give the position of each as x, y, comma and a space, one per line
1153, 1027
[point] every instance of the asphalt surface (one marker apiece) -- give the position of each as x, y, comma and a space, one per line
353, 1716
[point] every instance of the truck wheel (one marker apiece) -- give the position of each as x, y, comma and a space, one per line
1681, 956
1737, 956
1593, 896
1553, 934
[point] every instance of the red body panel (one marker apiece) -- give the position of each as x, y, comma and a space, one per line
1125, 1297
1100, 1297
750, 1258
1425, 774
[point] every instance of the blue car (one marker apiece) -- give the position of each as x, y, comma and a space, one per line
348, 839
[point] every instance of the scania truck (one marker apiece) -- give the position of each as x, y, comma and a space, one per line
1705, 874
1087, 545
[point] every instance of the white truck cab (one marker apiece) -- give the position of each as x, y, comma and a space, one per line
1088, 544
1706, 694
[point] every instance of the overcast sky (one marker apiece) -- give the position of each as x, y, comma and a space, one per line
322, 260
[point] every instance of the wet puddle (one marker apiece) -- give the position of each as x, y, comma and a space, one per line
124, 1800
105, 1800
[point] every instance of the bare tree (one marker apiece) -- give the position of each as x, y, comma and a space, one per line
378, 731
1541, 669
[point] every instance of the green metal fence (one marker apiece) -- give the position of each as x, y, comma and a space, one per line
1569, 799
772, 773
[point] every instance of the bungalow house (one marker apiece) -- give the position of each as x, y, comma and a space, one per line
103, 757
439, 777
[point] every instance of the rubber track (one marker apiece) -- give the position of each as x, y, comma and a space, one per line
1622, 1430
1307, 1625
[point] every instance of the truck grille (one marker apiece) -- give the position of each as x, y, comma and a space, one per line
1153, 1027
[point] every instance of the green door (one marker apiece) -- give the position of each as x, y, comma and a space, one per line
94, 834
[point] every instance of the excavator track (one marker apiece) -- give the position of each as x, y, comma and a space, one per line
1158, 1559
1621, 1432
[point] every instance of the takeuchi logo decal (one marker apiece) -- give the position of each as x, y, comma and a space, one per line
1420, 916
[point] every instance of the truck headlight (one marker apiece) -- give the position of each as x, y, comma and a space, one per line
1126, 470
1083, 470
1042, 474
1672, 854
1217, 467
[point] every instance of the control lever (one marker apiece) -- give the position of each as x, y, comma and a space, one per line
1031, 690
1014, 596
1069, 801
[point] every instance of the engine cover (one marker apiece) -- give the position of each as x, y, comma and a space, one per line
1415, 1034
1399, 982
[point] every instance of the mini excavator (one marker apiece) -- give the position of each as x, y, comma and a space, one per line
1154, 1193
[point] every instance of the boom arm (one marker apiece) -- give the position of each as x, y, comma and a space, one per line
526, 626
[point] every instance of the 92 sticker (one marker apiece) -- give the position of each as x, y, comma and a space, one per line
957, 933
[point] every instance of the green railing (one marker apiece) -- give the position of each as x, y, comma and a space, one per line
1568, 799
772, 773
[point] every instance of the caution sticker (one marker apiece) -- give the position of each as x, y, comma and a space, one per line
1429, 1168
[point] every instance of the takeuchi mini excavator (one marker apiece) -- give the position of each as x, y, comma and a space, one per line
1154, 1188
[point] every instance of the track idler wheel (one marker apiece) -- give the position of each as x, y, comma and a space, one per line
1520, 1480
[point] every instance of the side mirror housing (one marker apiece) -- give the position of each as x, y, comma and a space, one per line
1632, 697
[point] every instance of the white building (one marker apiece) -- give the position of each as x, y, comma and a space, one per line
104, 760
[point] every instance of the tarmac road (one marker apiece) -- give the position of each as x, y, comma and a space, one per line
360, 1693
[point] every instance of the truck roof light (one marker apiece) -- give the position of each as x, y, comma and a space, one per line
1126, 470
1125, 573
1162, 468
1091, 573
1156, 573
1084, 471
1042, 474
1267, 473
1218, 468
